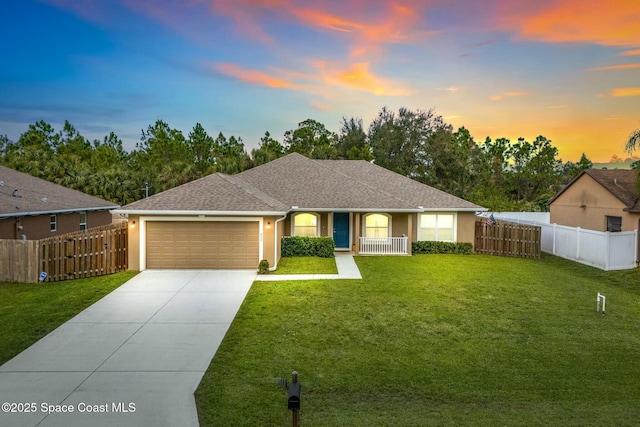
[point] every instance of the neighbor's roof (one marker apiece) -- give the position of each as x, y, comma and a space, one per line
621, 183
297, 182
22, 194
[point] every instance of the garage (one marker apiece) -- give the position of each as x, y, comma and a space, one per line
202, 244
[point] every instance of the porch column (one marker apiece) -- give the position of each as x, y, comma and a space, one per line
330, 224
357, 231
409, 232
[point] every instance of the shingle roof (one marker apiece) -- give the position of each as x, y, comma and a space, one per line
409, 190
295, 180
619, 182
212, 193
22, 194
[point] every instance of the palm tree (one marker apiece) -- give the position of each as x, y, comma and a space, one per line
632, 145
634, 141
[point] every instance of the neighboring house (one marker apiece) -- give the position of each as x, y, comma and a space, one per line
600, 200
223, 221
32, 208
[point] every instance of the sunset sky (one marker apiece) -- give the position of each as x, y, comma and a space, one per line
565, 69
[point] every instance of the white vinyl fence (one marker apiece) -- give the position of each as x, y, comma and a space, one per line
604, 250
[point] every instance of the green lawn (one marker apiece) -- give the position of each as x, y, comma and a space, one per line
306, 265
435, 340
28, 312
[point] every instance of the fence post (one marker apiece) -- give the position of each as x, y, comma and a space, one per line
577, 243
607, 251
554, 238
635, 251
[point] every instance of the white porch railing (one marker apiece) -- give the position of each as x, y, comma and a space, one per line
383, 246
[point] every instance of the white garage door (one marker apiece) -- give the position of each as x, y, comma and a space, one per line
202, 245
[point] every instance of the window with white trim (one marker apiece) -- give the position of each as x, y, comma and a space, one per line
83, 220
53, 222
377, 225
305, 225
439, 227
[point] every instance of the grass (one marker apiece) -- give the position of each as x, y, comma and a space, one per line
434, 340
306, 265
28, 312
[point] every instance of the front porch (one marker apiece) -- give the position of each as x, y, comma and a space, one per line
362, 233
384, 245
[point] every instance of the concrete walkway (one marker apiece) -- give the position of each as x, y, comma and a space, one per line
347, 269
134, 358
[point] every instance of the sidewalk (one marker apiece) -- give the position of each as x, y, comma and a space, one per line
347, 269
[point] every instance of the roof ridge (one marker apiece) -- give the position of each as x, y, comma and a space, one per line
622, 192
373, 187
252, 190
358, 180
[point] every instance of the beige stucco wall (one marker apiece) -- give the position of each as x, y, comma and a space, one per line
133, 247
400, 224
466, 227
268, 239
280, 233
598, 204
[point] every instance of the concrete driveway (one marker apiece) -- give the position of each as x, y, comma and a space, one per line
134, 358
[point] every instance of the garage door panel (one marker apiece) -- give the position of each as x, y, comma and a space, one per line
213, 244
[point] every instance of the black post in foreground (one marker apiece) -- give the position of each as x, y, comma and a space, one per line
294, 397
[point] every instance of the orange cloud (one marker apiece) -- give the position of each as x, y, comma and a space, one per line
368, 28
252, 76
630, 52
625, 91
508, 95
358, 76
604, 22
615, 67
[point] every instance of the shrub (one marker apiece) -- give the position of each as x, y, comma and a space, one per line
322, 247
429, 247
263, 267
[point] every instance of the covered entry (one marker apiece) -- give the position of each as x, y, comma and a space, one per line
202, 244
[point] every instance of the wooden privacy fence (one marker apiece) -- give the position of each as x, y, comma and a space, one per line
94, 252
19, 261
88, 253
508, 239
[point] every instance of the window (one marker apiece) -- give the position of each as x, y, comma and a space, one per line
614, 223
437, 227
305, 225
376, 225
83, 220
53, 222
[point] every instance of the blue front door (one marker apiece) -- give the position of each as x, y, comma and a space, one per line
341, 229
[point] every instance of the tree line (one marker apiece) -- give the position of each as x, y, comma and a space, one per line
500, 174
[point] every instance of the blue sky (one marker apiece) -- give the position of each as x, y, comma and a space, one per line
565, 69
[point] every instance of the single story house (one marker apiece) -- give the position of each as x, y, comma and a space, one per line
33, 208
600, 200
234, 221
